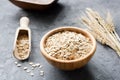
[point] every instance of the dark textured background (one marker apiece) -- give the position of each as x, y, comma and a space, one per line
105, 64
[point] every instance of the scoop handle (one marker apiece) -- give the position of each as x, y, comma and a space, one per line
24, 21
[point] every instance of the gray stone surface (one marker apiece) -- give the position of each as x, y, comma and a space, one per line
105, 64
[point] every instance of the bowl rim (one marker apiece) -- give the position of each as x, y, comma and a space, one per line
44, 53
33, 3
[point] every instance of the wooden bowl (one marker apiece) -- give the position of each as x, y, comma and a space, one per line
68, 64
34, 4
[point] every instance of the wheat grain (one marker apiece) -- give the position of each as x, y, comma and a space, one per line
102, 30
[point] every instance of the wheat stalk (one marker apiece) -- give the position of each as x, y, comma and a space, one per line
102, 30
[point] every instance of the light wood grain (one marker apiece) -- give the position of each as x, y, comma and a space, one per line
22, 30
68, 64
34, 4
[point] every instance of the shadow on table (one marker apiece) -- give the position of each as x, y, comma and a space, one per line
79, 74
44, 17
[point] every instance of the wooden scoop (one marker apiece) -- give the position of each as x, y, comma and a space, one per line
34, 4
22, 44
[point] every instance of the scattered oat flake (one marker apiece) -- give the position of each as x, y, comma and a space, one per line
32, 74
37, 64
25, 68
19, 65
16, 62
32, 68
42, 73
28, 71
40, 66
31, 63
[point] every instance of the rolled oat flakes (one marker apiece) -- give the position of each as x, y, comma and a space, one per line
22, 46
68, 45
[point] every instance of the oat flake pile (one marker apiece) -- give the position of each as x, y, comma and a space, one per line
68, 45
22, 46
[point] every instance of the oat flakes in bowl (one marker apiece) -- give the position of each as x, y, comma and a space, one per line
68, 48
